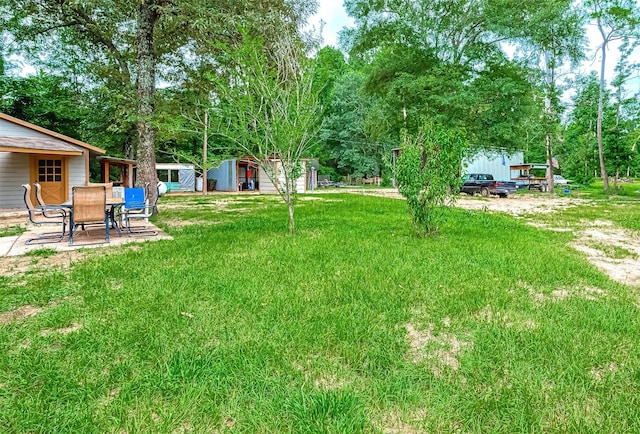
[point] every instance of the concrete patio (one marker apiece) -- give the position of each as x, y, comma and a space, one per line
92, 238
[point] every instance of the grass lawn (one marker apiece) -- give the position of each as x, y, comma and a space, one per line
352, 325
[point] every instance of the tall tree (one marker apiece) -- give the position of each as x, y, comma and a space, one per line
552, 33
270, 112
442, 59
616, 20
121, 43
578, 153
353, 131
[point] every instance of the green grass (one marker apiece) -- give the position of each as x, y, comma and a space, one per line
9, 231
236, 326
596, 190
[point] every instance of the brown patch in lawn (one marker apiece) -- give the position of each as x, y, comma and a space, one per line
448, 347
329, 382
63, 331
599, 373
184, 427
395, 422
19, 313
27, 311
495, 317
548, 227
322, 381
19, 265
562, 293
600, 245
516, 205
176, 223
105, 401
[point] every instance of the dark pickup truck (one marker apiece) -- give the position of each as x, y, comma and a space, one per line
484, 184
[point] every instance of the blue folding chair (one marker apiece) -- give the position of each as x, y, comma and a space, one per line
136, 207
134, 198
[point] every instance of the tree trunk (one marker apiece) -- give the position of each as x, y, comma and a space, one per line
204, 152
548, 109
146, 87
603, 168
292, 223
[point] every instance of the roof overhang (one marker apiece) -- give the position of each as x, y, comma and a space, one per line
36, 145
116, 160
53, 134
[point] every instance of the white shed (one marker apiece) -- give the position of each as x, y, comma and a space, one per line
29, 153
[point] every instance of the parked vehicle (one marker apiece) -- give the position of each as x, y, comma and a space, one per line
560, 180
484, 184
325, 183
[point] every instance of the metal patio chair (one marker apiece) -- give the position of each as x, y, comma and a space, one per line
89, 208
45, 215
137, 206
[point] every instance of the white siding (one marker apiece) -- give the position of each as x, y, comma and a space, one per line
300, 182
75, 167
173, 166
14, 171
495, 162
266, 186
9, 129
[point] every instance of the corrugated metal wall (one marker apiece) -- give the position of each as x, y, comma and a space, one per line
225, 176
495, 162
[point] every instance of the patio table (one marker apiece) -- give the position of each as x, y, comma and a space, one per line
113, 203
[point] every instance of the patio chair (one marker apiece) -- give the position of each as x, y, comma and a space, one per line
137, 206
45, 215
107, 185
40, 201
89, 207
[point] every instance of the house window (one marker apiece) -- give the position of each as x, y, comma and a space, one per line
169, 175
49, 170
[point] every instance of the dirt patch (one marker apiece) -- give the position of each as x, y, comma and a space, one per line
446, 351
19, 313
590, 293
62, 331
600, 372
27, 311
18, 265
488, 315
177, 223
516, 205
395, 422
613, 250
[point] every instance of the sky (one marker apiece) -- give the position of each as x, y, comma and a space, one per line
335, 18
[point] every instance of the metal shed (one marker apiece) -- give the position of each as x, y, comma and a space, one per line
177, 176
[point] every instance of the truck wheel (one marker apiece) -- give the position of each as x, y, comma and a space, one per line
484, 192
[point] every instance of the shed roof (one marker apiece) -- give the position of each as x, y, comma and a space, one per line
36, 145
116, 160
55, 138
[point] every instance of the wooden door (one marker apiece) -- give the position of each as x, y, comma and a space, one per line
50, 171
